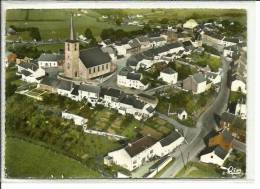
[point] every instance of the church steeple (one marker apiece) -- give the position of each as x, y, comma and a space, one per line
72, 36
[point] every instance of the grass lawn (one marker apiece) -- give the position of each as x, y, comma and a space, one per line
206, 59
24, 159
199, 170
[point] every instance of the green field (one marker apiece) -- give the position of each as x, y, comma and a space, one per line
199, 170
54, 24
26, 160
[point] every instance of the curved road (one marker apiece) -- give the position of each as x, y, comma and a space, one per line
205, 124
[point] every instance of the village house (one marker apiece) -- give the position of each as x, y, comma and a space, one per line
128, 78
47, 60
158, 41
218, 148
144, 42
89, 93
182, 114
169, 75
135, 154
190, 24
30, 72
195, 83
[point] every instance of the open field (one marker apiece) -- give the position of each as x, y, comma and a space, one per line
54, 24
27, 160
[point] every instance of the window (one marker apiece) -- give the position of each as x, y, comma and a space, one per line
151, 151
68, 46
106, 66
211, 157
89, 71
134, 162
103, 67
75, 46
94, 70
98, 68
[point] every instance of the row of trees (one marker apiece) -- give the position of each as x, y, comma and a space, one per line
34, 31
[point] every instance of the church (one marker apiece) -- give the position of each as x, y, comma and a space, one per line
87, 64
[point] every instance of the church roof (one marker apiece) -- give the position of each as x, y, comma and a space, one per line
93, 57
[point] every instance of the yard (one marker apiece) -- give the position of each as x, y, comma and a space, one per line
200, 171
26, 160
205, 59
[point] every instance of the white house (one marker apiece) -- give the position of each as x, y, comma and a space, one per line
158, 41
241, 111
89, 93
65, 88
137, 153
195, 83
190, 24
129, 79
30, 72
78, 120
215, 155
214, 77
238, 84
145, 64
169, 75
47, 60
182, 114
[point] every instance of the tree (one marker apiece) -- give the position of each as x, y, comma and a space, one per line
89, 35
119, 21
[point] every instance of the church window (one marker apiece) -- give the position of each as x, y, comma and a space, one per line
103, 66
76, 74
68, 46
107, 66
94, 70
68, 66
89, 71
75, 46
98, 68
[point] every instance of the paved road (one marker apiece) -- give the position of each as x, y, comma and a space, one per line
204, 125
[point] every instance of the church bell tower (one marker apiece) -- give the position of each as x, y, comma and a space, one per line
71, 64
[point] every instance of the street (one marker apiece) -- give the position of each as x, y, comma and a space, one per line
205, 124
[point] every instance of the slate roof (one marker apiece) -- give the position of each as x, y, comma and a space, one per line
170, 138
50, 57
158, 50
150, 109
187, 44
131, 100
198, 77
125, 70
140, 145
93, 57
168, 70
89, 88
31, 66
25, 72
220, 152
133, 76
50, 81
65, 85
112, 92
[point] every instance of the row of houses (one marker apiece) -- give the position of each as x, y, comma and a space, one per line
140, 106
137, 153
